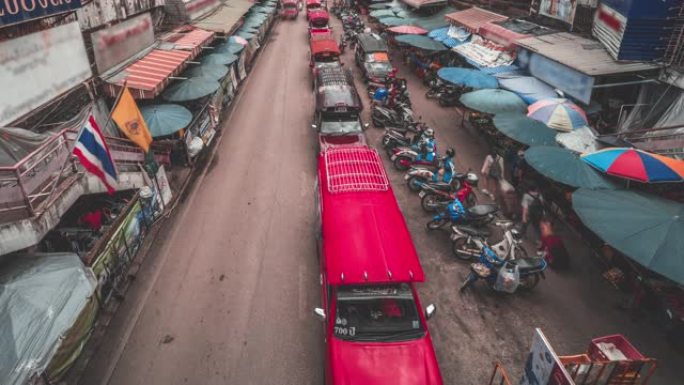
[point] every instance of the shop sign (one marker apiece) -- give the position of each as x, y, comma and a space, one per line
162, 181
563, 10
543, 367
116, 44
566, 79
39, 67
197, 8
17, 11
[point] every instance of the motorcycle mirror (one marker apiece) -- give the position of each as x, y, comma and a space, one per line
314, 126
366, 125
320, 313
430, 310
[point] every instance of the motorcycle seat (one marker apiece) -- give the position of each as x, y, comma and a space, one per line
441, 186
529, 263
459, 175
482, 210
474, 231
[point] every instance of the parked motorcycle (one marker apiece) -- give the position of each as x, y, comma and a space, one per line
478, 215
404, 136
522, 273
398, 116
465, 245
405, 157
438, 90
450, 97
435, 195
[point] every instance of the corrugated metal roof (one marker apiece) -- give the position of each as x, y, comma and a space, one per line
584, 55
224, 19
147, 77
194, 41
501, 35
474, 18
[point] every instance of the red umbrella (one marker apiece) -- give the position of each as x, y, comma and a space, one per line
408, 30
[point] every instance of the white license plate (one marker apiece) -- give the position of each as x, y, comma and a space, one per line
393, 158
407, 176
422, 194
454, 237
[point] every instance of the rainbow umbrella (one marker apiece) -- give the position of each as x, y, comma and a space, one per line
641, 166
559, 114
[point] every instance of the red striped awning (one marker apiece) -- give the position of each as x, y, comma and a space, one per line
147, 77
474, 18
192, 40
501, 35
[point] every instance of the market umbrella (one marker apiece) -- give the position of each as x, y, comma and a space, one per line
219, 58
422, 42
493, 101
581, 140
559, 114
190, 89
525, 130
210, 71
529, 88
393, 21
408, 30
232, 48
638, 165
645, 228
379, 6
565, 167
382, 13
467, 77
238, 40
165, 119
246, 35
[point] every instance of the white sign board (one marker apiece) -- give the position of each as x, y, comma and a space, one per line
38, 67
164, 187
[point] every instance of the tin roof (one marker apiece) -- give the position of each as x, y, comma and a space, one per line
225, 18
366, 239
584, 55
474, 18
190, 39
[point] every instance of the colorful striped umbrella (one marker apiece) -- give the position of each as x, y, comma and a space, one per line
641, 166
559, 114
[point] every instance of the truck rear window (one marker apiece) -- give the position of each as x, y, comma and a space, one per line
377, 313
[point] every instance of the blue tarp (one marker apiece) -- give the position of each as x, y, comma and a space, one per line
441, 35
529, 88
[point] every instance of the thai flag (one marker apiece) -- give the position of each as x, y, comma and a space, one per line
93, 153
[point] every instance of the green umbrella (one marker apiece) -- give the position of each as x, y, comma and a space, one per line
190, 89
422, 42
209, 71
646, 228
493, 101
382, 13
245, 35
524, 130
565, 167
394, 21
165, 119
219, 58
379, 6
232, 48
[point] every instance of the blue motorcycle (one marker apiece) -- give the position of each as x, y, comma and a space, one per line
478, 215
528, 270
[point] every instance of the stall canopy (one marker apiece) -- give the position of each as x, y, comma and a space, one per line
191, 89
494, 101
148, 76
219, 58
166, 119
417, 4
634, 164
643, 227
421, 42
474, 18
17, 143
41, 296
234, 48
395, 21
190, 39
211, 71
467, 77
529, 88
450, 40
524, 130
565, 167
224, 19
436, 20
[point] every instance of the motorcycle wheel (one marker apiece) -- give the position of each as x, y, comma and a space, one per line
443, 103
460, 245
468, 281
402, 163
529, 282
471, 200
413, 184
436, 223
431, 94
430, 202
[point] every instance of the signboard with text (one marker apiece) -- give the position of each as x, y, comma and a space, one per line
17, 11
38, 67
559, 9
114, 45
543, 367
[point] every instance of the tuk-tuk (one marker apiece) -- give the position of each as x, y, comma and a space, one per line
323, 51
371, 56
321, 34
338, 107
318, 18
312, 5
289, 9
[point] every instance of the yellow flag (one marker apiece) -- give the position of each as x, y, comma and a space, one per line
130, 121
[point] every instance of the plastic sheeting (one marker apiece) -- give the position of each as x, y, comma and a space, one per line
529, 88
656, 104
41, 296
17, 143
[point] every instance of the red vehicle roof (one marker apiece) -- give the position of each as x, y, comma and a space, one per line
365, 238
313, 2
318, 14
320, 46
289, 2
321, 34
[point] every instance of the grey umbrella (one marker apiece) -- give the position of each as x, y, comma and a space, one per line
165, 119
232, 48
210, 71
219, 58
190, 89
565, 167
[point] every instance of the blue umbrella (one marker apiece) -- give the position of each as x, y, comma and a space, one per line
232, 48
219, 58
165, 119
210, 71
422, 42
190, 89
645, 228
493, 101
524, 130
565, 167
529, 88
467, 77
382, 13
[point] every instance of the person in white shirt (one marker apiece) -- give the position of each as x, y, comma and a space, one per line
491, 171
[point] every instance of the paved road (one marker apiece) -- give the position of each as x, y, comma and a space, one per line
228, 297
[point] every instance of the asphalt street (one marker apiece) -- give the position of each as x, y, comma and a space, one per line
227, 293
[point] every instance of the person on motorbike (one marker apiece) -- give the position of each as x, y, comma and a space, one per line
447, 169
426, 146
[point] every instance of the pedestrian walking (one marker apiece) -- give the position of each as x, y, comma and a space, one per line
518, 168
532, 211
491, 171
